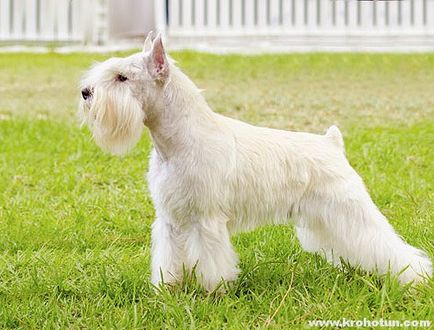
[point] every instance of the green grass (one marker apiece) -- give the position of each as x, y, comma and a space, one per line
75, 222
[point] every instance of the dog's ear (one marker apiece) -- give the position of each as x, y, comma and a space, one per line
158, 64
148, 42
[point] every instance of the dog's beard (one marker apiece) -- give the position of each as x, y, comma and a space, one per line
115, 118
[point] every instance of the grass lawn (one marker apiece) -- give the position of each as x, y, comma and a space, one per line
75, 222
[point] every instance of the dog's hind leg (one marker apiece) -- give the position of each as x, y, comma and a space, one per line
363, 236
317, 239
208, 250
371, 242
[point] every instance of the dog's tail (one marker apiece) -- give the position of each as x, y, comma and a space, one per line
335, 135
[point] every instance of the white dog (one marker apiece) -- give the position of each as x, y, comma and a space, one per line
211, 176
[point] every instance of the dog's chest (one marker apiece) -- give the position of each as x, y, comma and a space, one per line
188, 190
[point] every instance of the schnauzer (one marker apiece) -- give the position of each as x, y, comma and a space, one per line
211, 176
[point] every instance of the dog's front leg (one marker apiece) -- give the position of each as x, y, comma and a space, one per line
166, 252
209, 252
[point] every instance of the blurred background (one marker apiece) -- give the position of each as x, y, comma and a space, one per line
222, 25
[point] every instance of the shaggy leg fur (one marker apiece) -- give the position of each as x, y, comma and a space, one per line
166, 252
352, 228
208, 248
204, 247
317, 239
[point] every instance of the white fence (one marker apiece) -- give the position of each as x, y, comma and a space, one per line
229, 23
302, 22
253, 17
53, 20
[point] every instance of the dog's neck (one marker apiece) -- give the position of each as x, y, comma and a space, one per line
178, 116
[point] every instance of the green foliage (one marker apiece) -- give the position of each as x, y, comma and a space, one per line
75, 222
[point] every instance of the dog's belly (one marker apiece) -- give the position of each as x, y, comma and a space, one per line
271, 200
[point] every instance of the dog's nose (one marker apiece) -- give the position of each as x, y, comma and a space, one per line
85, 93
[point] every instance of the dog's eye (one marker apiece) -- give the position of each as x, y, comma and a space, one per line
121, 78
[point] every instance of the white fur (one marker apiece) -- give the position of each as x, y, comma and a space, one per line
211, 176
114, 115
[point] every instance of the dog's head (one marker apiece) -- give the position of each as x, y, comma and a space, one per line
118, 95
